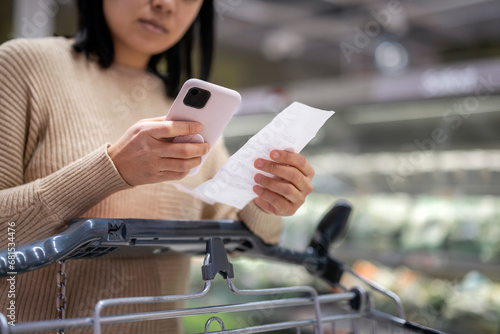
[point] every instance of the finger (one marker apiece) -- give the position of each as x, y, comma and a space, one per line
280, 187
282, 205
286, 172
169, 129
293, 159
179, 150
265, 205
153, 119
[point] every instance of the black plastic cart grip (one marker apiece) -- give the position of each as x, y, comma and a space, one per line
218, 261
331, 228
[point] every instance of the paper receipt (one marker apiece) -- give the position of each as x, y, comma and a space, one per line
290, 130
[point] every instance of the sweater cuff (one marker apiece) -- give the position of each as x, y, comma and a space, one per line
81, 184
267, 226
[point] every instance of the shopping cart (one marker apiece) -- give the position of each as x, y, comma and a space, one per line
347, 311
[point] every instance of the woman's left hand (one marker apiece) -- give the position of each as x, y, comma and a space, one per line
286, 192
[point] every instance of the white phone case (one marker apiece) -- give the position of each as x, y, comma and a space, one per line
215, 115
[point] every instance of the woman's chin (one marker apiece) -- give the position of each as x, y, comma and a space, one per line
153, 47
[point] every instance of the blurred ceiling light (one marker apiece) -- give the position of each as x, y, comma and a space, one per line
449, 81
282, 44
391, 57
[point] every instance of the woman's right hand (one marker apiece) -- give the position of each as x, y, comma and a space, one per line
146, 154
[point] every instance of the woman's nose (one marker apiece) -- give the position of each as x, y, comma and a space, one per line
164, 5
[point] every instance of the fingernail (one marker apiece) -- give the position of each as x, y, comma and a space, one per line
258, 178
259, 163
199, 128
257, 190
275, 155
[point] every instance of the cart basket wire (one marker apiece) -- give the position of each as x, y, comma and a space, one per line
347, 311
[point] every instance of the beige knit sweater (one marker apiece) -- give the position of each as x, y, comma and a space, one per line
58, 113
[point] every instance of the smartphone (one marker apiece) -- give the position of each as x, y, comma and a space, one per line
207, 103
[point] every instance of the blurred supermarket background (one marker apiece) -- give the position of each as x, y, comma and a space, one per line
413, 144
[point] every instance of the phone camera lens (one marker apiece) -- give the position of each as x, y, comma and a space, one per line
196, 97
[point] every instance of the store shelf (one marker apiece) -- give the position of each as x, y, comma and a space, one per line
439, 264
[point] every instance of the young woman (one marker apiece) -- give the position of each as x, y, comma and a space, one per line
82, 135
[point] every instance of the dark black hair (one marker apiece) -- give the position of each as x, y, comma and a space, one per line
94, 39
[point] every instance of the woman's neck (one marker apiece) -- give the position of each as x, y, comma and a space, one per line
130, 58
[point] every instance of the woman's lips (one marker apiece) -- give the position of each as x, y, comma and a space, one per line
153, 26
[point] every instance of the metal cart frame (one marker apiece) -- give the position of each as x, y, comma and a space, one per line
86, 238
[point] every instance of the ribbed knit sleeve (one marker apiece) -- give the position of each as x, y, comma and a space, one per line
265, 225
80, 185
51, 200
